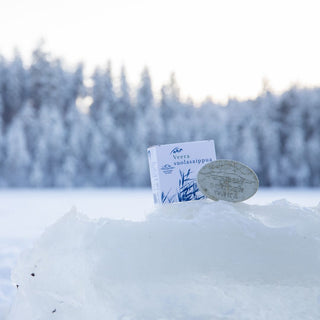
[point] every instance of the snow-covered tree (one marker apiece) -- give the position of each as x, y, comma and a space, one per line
45, 141
72, 171
17, 160
147, 129
2, 144
124, 133
103, 132
171, 110
14, 90
147, 117
268, 139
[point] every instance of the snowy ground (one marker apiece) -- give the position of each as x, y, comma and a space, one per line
25, 214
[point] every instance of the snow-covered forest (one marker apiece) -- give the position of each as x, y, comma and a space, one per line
47, 141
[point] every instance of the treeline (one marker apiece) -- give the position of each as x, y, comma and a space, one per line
45, 141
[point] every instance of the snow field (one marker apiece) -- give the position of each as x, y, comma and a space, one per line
195, 260
25, 214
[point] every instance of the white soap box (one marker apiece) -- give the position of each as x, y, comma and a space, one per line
174, 169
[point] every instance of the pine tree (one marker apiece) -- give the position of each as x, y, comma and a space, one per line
103, 132
31, 130
17, 161
2, 144
41, 86
48, 91
124, 133
170, 111
209, 123
147, 124
268, 139
14, 90
72, 171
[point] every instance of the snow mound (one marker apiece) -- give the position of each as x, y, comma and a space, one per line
195, 260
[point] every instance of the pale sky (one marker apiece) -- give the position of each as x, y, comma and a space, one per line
219, 48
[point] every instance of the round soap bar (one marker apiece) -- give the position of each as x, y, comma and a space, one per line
227, 180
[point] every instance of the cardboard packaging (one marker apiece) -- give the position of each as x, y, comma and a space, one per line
174, 169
